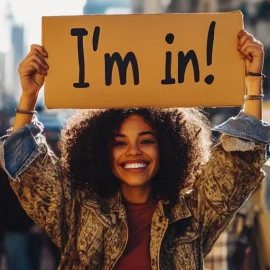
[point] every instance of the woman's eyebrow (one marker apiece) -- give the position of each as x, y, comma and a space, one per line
140, 134
147, 133
120, 135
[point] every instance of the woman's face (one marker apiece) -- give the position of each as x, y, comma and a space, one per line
135, 152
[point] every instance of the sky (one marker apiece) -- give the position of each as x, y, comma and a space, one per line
29, 14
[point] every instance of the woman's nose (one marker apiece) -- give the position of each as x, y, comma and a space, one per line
134, 150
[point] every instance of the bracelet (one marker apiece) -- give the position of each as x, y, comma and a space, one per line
256, 74
253, 97
25, 111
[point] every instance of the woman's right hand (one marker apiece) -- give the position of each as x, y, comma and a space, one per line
32, 71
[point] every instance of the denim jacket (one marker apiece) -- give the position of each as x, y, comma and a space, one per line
92, 233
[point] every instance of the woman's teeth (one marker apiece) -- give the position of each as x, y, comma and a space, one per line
135, 165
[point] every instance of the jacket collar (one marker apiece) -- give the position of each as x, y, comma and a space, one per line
115, 205
179, 211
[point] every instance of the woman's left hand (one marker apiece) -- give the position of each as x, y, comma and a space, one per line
251, 51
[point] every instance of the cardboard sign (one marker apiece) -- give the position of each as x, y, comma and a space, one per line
160, 60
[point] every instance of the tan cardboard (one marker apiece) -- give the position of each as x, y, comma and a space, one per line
84, 50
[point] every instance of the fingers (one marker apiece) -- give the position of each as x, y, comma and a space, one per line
40, 49
244, 39
34, 65
35, 59
242, 36
248, 46
34, 62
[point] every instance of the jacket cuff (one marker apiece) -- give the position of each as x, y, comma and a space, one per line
246, 127
19, 149
235, 144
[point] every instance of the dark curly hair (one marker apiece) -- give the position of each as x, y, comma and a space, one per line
183, 136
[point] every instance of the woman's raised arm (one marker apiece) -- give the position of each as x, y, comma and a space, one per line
252, 52
32, 71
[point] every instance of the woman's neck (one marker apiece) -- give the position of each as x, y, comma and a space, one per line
140, 194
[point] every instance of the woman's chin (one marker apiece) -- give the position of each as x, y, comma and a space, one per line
136, 183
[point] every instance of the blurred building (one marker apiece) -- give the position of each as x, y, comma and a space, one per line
150, 6
14, 56
104, 6
2, 78
2, 68
163, 6
18, 47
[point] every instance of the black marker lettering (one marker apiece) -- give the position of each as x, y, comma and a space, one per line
168, 66
122, 67
95, 38
209, 50
80, 33
182, 65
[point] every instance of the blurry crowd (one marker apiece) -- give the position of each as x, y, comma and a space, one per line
240, 246
21, 240
23, 244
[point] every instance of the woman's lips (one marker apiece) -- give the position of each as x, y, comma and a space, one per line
138, 165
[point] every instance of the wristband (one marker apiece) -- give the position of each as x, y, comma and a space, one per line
25, 111
255, 74
253, 97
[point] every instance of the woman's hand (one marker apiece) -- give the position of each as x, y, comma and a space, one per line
32, 71
251, 51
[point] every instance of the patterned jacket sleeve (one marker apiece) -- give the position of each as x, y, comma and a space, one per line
224, 185
39, 182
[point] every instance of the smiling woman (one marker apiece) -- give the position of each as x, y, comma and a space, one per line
148, 150
135, 157
135, 188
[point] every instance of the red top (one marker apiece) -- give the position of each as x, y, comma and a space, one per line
137, 253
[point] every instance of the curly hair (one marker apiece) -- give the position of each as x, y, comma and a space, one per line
183, 136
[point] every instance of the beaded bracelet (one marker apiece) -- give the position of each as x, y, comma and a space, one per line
253, 97
25, 111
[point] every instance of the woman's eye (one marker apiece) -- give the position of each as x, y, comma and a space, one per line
119, 144
147, 142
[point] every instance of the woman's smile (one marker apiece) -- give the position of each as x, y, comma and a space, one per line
136, 164
135, 152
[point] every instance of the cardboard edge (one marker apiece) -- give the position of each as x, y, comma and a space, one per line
101, 107
43, 43
240, 26
147, 14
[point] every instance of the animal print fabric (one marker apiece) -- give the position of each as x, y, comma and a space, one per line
92, 233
